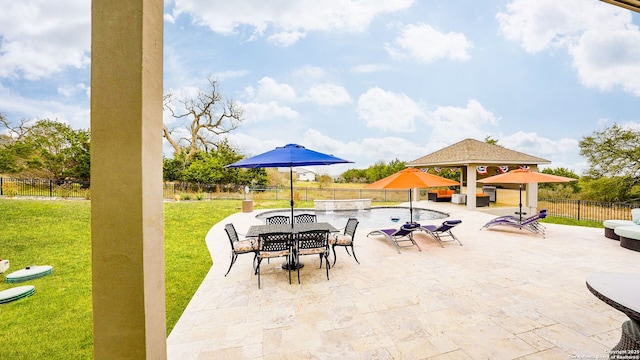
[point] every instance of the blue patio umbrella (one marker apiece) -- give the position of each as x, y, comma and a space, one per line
289, 155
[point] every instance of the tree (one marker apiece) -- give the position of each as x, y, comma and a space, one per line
201, 120
489, 140
614, 151
47, 149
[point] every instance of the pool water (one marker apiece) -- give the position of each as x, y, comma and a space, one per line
375, 218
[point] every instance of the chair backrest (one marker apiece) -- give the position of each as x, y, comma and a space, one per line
448, 225
274, 241
305, 218
350, 229
231, 233
277, 219
313, 239
541, 215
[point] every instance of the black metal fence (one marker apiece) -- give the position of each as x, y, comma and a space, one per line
571, 209
587, 210
44, 188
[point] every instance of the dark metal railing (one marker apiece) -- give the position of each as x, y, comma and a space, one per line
571, 209
587, 210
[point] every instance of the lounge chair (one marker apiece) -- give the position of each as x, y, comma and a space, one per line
442, 231
531, 223
396, 236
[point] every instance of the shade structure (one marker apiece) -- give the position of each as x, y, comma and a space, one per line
521, 177
411, 178
289, 155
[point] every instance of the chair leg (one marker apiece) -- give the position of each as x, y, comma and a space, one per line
326, 255
234, 256
354, 254
334, 255
258, 271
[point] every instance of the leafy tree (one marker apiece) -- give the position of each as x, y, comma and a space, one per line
353, 176
573, 187
489, 140
46, 149
614, 151
373, 173
201, 120
609, 189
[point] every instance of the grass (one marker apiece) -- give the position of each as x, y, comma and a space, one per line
56, 322
573, 222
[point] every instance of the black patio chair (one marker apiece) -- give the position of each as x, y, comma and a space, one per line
305, 218
248, 246
313, 242
277, 219
345, 239
272, 245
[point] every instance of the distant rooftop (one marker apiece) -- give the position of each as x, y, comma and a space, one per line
471, 151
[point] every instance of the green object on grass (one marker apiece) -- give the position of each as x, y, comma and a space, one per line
29, 273
16, 293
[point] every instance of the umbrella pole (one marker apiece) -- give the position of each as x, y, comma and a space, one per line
410, 207
520, 213
291, 191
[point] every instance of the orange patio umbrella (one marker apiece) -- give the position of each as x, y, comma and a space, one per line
411, 178
522, 176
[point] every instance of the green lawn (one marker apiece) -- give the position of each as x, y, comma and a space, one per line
56, 323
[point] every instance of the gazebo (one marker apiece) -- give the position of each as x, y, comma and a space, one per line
478, 159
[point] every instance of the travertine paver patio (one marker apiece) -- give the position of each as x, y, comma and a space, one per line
505, 294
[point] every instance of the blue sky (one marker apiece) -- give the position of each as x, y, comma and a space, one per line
363, 80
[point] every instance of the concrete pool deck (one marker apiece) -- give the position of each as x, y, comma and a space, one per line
505, 294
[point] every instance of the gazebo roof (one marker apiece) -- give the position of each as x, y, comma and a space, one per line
471, 151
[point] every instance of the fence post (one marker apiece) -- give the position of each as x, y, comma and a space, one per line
1, 186
578, 210
50, 188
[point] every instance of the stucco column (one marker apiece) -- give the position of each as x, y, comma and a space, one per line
127, 225
471, 187
532, 197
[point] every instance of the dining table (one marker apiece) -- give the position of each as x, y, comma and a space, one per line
256, 230
622, 292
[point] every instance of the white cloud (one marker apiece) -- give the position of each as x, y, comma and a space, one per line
426, 44
328, 95
40, 38
607, 60
289, 20
286, 38
370, 68
230, 74
388, 111
73, 90
450, 122
269, 111
600, 38
309, 72
564, 152
269, 89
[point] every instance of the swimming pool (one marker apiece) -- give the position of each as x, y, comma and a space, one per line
374, 218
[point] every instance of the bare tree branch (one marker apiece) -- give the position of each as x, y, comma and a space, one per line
210, 116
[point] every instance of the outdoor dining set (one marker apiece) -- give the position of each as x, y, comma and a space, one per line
281, 237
